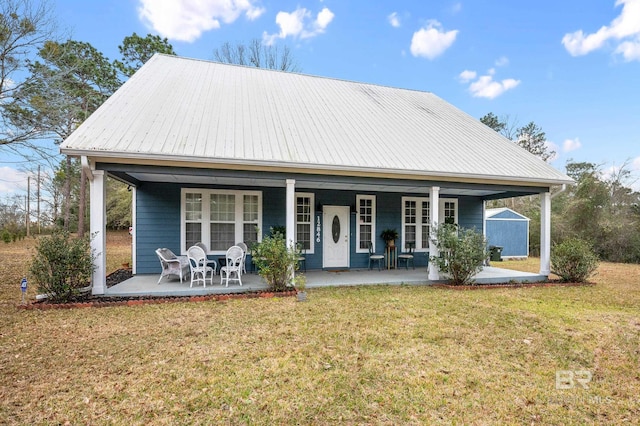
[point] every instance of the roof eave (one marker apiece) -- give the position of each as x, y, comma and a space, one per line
199, 162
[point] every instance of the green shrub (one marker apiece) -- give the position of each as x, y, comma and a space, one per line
62, 265
275, 261
6, 236
462, 253
573, 260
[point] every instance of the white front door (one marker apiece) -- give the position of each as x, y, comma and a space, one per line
335, 248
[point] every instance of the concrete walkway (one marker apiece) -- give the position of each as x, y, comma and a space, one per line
146, 285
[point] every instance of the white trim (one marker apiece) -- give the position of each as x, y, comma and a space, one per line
98, 229
312, 225
433, 271
545, 233
419, 224
373, 221
134, 236
205, 219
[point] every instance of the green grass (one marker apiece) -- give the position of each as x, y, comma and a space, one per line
363, 355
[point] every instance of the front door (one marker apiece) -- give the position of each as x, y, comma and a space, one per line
335, 248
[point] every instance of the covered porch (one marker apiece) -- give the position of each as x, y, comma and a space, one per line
147, 284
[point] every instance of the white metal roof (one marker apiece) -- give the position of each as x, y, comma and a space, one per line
187, 110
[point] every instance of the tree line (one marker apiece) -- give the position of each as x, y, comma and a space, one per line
601, 208
49, 86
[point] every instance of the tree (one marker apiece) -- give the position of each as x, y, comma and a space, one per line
136, 50
256, 54
494, 122
24, 28
530, 137
71, 82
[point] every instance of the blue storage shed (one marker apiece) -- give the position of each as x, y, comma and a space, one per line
508, 229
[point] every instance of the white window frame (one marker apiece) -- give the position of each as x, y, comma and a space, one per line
205, 218
373, 222
312, 203
419, 201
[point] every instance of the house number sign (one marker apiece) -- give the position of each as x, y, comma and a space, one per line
318, 229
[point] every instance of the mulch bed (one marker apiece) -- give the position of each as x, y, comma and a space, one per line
89, 301
551, 283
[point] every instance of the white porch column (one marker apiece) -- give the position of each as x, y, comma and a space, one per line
545, 233
98, 229
434, 213
291, 211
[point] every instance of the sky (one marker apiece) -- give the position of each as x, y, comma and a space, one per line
570, 66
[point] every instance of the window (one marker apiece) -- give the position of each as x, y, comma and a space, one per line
304, 221
366, 226
416, 223
220, 218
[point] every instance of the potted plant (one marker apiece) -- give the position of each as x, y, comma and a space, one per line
300, 284
389, 236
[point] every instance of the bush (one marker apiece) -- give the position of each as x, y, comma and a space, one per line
462, 253
6, 236
573, 260
62, 265
276, 263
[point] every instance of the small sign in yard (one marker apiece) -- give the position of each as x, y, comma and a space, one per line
23, 287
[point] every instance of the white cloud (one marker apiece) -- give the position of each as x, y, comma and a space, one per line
296, 24
431, 41
466, 76
485, 86
12, 181
635, 164
186, 20
502, 61
571, 145
624, 29
394, 20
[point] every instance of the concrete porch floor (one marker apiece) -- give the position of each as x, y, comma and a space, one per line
146, 285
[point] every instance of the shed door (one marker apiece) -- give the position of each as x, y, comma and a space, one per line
336, 237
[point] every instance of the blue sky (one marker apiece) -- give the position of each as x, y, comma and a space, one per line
571, 66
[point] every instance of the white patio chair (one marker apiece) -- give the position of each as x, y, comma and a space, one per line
199, 268
172, 264
210, 262
244, 248
234, 266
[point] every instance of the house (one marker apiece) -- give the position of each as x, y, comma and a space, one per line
220, 153
508, 229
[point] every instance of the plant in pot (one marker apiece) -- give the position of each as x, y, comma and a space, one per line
389, 236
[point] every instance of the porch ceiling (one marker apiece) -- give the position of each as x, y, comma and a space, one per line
312, 182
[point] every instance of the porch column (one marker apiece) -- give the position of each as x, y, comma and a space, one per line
545, 233
291, 212
98, 229
434, 213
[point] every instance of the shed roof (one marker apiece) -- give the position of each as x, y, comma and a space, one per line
187, 110
504, 213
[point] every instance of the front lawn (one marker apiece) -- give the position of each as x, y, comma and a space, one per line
359, 355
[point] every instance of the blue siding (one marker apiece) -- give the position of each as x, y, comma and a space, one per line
157, 224
158, 221
508, 214
510, 234
470, 213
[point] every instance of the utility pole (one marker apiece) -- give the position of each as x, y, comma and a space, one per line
38, 199
28, 203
